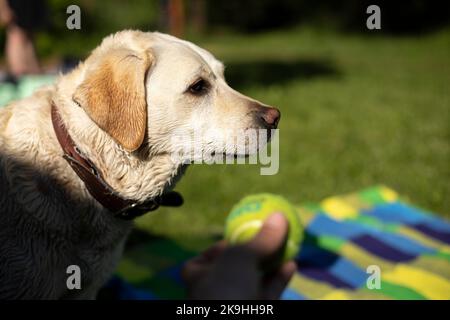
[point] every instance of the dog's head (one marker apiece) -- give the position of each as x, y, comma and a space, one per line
151, 89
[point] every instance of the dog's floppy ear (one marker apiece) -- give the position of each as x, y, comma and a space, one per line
113, 95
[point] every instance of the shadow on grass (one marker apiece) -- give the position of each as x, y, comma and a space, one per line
273, 72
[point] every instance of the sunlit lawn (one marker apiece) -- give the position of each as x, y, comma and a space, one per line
356, 111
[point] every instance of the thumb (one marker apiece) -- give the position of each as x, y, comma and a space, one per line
271, 237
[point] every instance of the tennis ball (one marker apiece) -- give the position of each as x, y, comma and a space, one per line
247, 217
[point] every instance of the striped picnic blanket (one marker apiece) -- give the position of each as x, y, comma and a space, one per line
408, 248
25, 87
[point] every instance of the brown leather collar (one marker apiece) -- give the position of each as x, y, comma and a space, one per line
93, 179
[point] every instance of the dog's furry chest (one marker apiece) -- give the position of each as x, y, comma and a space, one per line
45, 229
35, 255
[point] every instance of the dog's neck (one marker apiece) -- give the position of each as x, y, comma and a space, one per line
139, 175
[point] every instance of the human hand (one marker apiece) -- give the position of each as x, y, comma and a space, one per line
225, 272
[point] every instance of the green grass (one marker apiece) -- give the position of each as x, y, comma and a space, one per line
356, 111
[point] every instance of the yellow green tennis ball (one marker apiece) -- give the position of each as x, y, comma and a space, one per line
247, 217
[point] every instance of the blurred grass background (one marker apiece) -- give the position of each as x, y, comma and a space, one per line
359, 107
356, 111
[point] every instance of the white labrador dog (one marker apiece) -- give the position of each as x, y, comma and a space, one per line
81, 158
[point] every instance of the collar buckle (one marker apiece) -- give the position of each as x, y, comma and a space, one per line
135, 209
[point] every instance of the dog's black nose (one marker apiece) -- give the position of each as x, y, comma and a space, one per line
270, 117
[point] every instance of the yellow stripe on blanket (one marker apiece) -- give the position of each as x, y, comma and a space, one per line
427, 284
336, 295
427, 241
388, 194
314, 289
318, 290
338, 209
360, 294
439, 267
363, 258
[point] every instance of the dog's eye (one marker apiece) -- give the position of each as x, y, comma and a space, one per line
199, 87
